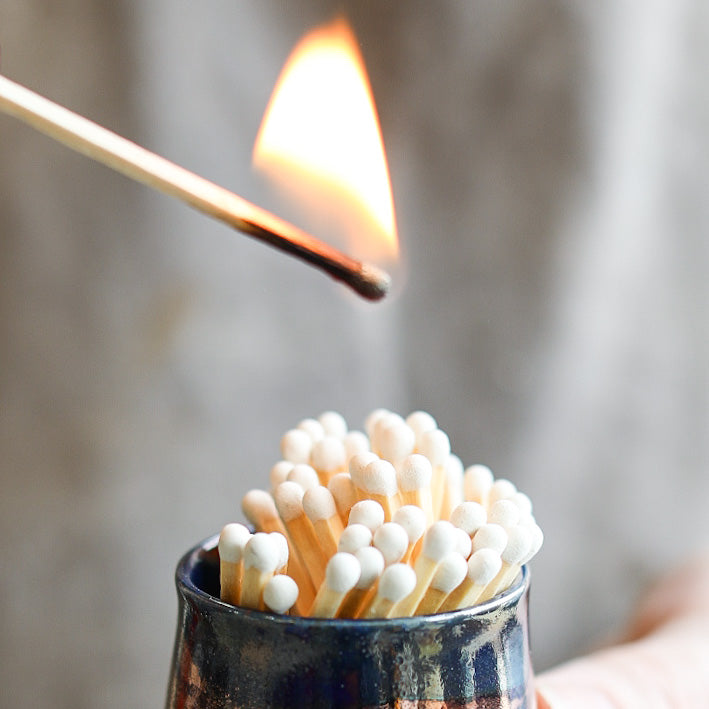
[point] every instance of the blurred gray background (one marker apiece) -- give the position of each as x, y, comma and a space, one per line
550, 166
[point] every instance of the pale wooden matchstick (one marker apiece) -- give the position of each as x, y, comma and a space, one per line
260, 509
342, 573
413, 477
395, 584
100, 144
319, 505
436, 446
453, 488
519, 541
477, 481
289, 502
261, 558
232, 541
483, 565
449, 575
438, 542
371, 564
343, 490
378, 482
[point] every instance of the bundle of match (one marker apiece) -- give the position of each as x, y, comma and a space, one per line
385, 524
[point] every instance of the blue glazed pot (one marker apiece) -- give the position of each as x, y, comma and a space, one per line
239, 658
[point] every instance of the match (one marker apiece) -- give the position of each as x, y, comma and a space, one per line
137, 163
399, 529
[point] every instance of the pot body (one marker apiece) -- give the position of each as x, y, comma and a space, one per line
228, 657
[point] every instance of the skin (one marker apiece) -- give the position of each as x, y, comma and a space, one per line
660, 662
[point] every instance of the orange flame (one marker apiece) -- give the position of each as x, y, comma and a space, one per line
321, 144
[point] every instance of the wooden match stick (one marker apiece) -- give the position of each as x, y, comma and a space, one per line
232, 541
342, 573
261, 558
100, 144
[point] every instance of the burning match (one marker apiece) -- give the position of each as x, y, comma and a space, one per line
139, 164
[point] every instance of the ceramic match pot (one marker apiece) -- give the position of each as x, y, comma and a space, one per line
237, 658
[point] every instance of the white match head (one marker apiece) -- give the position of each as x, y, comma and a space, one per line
395, 441
319, 504
483, 566
379, 478
296, 446
519, 542
396, 582
328, 455
536, 540
289, 500
463, 543
342, 572
343, 491
414, 472
355, 442
392, 541
501, 490
524, 504
450, 573
413, 520
477, 481
334, 424
283, 551
313, 428
358, 462
435, 446
469, 516
505, 513
384, 422
490, 536
304, 475
371, 563
232, 540
280, 593
279, 472
439, 540
372, 420
258, 506
262, 552
367, 512
420, 422
354, 537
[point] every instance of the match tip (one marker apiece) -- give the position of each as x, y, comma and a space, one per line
463, 543
469, 516
397, 581
319, 504
232, 541
258, 505
414, 472
450, 573
367, 512
505, 513
439, 540
304, 475
519, 542
483, 566
328, 454
392, 541
370, 281
333, 424
490, 536
262, 552
371, 563
289, 500
413, 520
379, 478
280, 593
296, 445
354, 537
342, 572
435, 445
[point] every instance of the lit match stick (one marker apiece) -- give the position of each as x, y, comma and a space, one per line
106, 147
